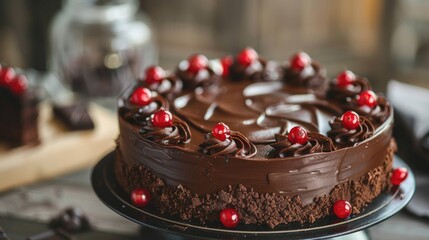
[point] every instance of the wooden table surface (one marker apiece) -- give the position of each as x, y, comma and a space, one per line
24, 212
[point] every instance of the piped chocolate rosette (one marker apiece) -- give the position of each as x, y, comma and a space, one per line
354, 93
142, 104
223, 142
165, 84
163, 127
375, 108
298, 142
350, 129
346, 86
198, 71
302, 71
249, 65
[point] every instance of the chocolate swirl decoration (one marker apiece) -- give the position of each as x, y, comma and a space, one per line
316, 143
139, 114
378, 114
169, 87
208, 76
178, 133
312, 77
237, 145
344, 137
258, 71
345, 95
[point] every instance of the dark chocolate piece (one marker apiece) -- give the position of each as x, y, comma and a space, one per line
71, 220
75, 117
3, 235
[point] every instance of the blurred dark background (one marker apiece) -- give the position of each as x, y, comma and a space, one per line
380, 39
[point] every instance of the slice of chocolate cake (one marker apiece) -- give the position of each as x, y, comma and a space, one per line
18, 110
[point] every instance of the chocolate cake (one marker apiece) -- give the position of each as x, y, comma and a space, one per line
243, 140
18, 109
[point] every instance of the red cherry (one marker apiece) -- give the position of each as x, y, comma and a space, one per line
229, 217
6, 75
350, 120
398, 176
345, 78
221, 131
196, 63
141, 96
298, 135
154, 74
140, 197
247, 56
342, 209
18, 84
367, 98
162, 118
299, 61
226, 63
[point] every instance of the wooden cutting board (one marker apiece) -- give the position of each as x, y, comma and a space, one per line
61, 151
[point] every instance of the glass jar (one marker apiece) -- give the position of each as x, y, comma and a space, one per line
99, 46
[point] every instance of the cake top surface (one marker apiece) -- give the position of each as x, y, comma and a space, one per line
258, 102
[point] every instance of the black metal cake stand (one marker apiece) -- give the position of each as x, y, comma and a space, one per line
383, 207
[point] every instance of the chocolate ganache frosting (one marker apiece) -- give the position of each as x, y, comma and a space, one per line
191, 172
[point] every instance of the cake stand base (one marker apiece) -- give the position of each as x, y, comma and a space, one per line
149, 234
383, 207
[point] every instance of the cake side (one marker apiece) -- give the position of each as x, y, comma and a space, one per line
269, 209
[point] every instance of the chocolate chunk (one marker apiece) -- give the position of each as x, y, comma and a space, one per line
71, 220
51, 235
3, 235
75, 117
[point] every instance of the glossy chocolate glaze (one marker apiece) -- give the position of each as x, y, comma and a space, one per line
258, 111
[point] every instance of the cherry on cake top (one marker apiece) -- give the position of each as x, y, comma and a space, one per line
350, 120
226, 63
345, 78
298, 135
154, 74
367, 98
162, 118
299, 61
247, 56
197, 62
141, 96
221, 131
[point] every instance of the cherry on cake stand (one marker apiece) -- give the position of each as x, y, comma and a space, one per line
169, 228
